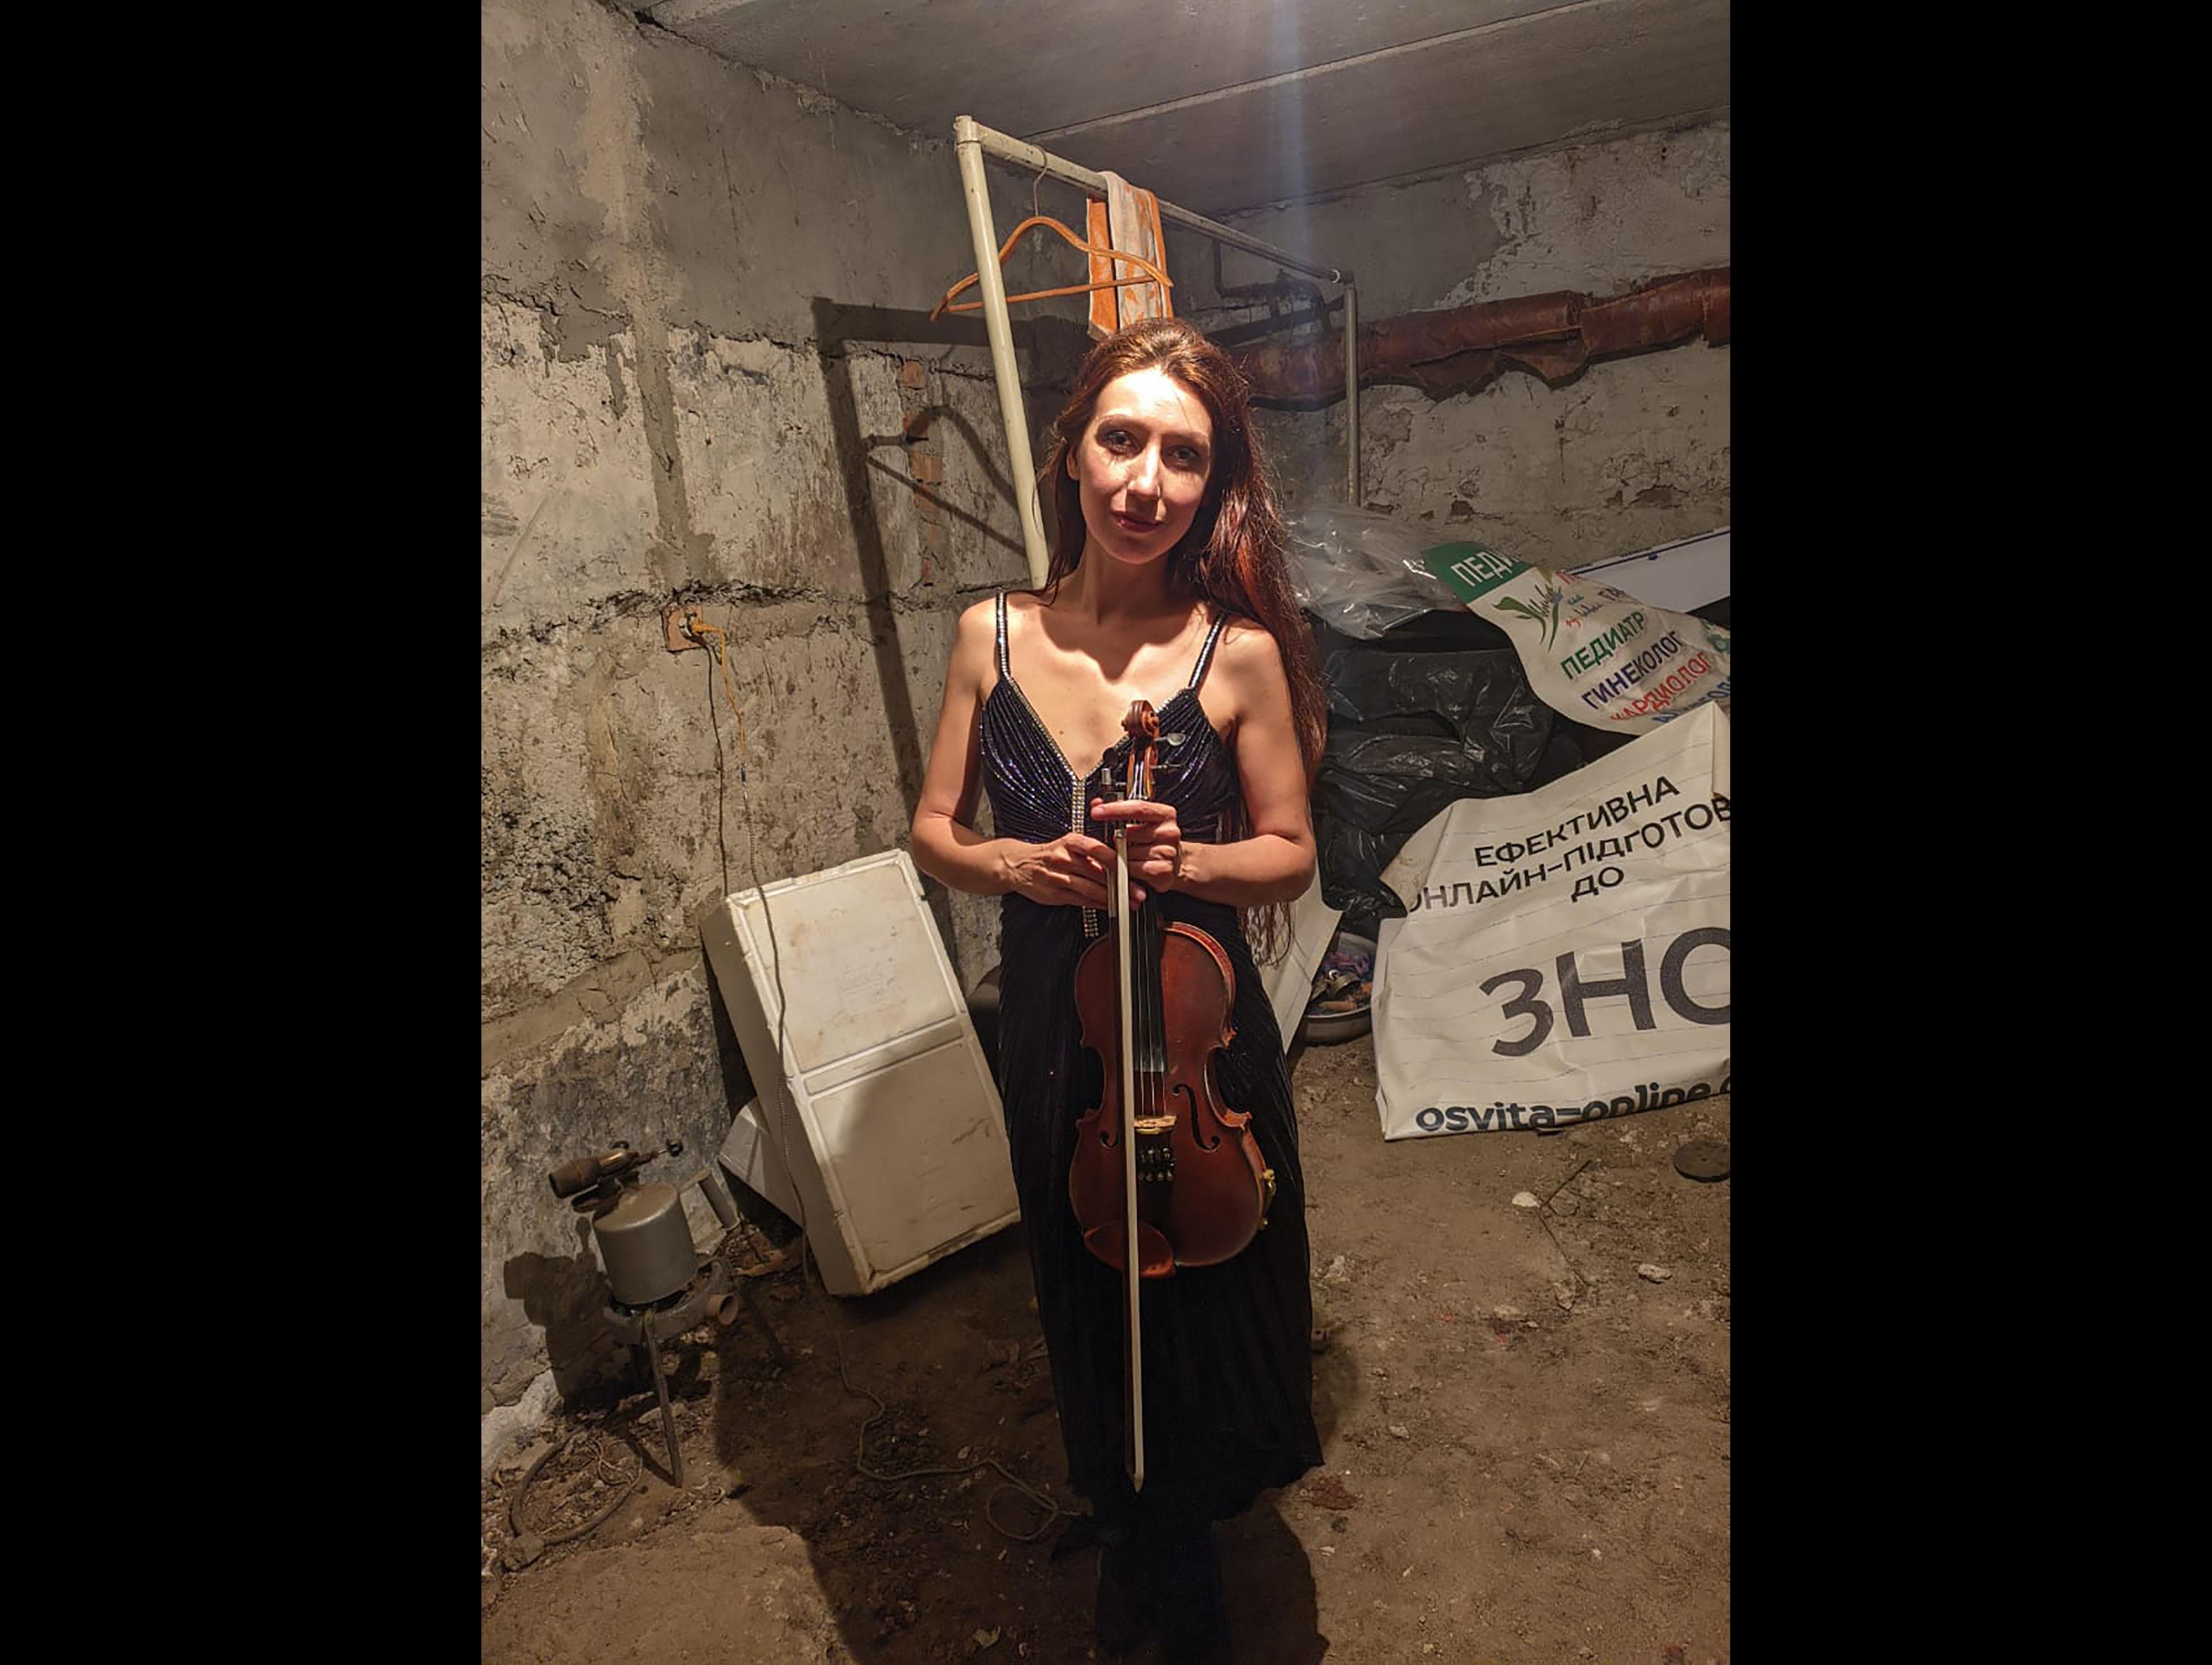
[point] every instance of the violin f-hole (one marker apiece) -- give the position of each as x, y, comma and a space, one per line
1190, 1109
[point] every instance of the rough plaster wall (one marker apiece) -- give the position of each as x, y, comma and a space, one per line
1632, 453
704, 354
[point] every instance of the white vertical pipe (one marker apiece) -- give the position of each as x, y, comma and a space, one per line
992, 282
1352, 391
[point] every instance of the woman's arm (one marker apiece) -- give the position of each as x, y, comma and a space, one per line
1275, 862
1073, 870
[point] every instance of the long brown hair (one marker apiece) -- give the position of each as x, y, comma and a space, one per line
1235, 554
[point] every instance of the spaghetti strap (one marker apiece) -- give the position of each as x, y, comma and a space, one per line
1205, 652
1002, 672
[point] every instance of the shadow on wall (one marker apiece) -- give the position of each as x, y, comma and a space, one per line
1054, 347
566, 1296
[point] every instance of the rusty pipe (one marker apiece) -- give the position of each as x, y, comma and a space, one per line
1552, 336
1660, 314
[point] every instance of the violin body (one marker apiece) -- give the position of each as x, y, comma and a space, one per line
1160, 1164
1154, 996
1202, 1185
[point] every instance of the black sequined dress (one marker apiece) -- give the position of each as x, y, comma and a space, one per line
1228, 1364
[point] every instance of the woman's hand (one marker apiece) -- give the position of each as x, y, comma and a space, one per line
1154, 844
1071, 871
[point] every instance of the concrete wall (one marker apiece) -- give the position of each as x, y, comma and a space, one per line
705, 344
1632, 453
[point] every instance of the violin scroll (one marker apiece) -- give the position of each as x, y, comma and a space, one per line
1142, 725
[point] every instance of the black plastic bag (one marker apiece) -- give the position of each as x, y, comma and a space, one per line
1436, 709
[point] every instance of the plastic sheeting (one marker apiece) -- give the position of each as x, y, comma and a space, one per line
1361, 572
1435, 709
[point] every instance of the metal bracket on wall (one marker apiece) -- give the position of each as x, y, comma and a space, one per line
678, 618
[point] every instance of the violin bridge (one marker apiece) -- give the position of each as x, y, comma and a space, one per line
1149, 1125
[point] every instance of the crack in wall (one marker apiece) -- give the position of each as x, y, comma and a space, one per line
595, 616
497, 286
926, 601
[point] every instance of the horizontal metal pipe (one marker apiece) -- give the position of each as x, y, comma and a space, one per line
1009, 148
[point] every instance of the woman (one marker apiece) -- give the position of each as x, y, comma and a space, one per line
1167, 583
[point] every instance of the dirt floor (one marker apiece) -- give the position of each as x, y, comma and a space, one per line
1523, 1407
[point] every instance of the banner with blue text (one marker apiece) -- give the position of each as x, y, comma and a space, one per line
1592, 651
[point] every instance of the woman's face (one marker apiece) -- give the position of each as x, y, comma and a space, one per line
1141, 467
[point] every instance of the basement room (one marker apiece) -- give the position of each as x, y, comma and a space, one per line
1104, 861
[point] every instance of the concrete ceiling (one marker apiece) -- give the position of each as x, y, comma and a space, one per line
1221, 104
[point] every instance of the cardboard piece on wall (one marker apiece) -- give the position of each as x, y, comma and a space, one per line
1682, 576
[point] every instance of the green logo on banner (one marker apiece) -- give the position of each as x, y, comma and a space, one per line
1472, 570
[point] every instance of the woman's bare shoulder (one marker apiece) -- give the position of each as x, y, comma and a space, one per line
1248, 647
974, 643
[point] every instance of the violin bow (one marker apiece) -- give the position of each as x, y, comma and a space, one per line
1133, 1332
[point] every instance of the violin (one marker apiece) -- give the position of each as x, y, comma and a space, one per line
1161, 1147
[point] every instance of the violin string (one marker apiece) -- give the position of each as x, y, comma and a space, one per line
1139, 786
1159, 984
1152, 1008
1151, 985
1139, 951
1137, 1013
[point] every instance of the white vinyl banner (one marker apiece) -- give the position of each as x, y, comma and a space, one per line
1565, 953
1595, 653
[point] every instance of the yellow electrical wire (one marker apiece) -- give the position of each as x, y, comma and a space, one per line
696, 627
